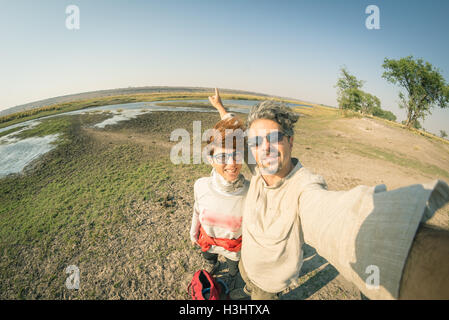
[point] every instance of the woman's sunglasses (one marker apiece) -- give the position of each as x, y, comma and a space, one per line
273, 137
222, 158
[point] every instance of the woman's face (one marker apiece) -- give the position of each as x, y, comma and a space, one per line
227, 162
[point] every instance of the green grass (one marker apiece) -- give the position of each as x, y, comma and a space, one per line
75, 201
47, 127
6, 132
397, 158
78, 194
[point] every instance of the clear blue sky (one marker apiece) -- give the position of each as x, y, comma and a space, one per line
287, 48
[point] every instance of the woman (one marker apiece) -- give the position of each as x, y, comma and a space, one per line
217, 214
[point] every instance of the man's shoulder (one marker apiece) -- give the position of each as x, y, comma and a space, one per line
304, 177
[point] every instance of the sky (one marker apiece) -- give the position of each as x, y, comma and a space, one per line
286, 48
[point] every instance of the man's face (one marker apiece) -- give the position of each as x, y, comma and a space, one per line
271, 156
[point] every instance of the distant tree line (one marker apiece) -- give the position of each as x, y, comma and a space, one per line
352, 97
443, 134
27, 113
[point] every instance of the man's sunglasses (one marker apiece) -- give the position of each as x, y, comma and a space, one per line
222, 158
273, 137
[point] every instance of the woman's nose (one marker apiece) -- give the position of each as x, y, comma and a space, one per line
230, 161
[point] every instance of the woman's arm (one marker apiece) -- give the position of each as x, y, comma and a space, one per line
217, 104
194, 228
215, 100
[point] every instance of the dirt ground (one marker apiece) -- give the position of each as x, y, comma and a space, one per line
149, 255
342, 171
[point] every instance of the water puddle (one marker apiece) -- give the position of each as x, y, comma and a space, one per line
16, 155
10, 138
120, 116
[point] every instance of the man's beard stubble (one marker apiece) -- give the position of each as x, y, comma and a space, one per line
271, 168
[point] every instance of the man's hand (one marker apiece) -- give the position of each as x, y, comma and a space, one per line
217, 104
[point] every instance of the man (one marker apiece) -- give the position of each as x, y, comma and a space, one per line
354, 230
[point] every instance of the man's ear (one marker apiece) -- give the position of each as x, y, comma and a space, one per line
290, 140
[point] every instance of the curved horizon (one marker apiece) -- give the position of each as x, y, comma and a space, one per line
41, 102
286, 49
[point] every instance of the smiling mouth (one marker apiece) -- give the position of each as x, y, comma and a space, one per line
233, 171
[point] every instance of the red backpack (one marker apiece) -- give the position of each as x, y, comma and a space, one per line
204, 287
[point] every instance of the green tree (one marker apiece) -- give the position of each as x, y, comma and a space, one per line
368, 103
378, 112
352, 97
415, 124
424, 84
443, 134
348, 81
349, 94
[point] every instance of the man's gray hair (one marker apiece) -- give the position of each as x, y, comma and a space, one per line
276, 111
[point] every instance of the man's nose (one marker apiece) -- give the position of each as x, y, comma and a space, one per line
265, 144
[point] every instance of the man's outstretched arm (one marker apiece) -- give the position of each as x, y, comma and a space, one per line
377, 239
